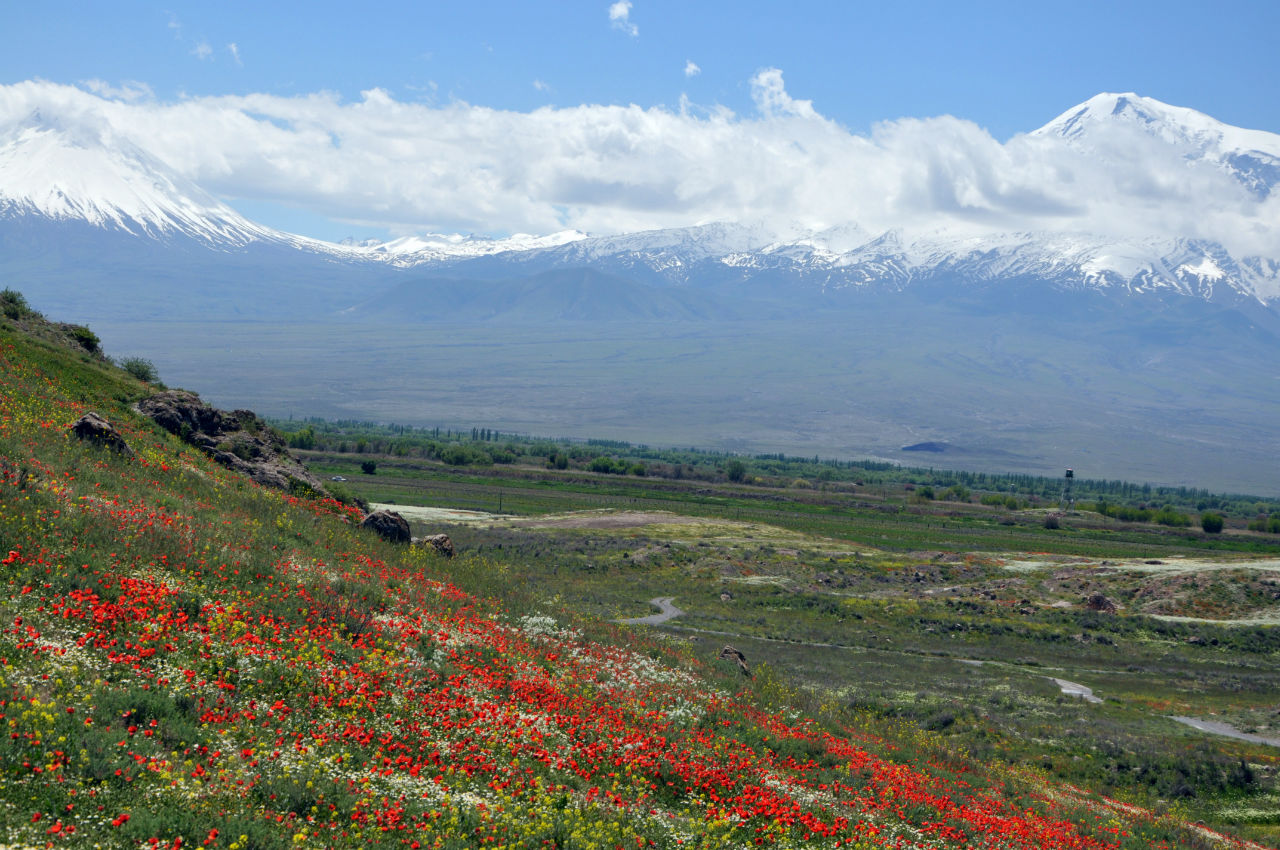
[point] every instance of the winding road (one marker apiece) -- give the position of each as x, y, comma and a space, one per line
666, 610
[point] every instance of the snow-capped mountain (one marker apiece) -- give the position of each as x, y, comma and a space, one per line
1251, 156
74, 170
851, 258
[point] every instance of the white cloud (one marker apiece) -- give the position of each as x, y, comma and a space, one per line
771, 97
620, 17
234, 50
420, 166
128, 91
541, 86
202, 51
691, 68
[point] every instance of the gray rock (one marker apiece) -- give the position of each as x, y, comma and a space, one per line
441, 543
1097, 602
389, 525
94, 429
238, 440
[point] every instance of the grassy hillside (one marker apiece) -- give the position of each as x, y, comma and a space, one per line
187, 659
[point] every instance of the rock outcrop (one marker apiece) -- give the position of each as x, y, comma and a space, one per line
238, 440
94, 429
389, 525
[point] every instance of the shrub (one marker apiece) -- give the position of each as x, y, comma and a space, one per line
1170, 517
140, 368
1052, 521
85, 338
736, 470
14, 304
1211, 523
609, 466
369, 467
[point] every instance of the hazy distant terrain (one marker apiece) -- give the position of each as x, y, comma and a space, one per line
1122, 353
1160, 402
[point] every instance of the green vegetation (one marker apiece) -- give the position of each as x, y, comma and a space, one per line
188, 656
141, 368
483, 447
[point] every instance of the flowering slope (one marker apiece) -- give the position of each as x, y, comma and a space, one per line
187, 659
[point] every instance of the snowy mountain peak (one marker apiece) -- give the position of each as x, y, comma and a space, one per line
1251, 156
68, 168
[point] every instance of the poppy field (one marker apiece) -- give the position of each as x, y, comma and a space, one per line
190, 660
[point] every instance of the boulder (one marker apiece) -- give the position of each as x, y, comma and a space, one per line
94, 429
389, 525
1097, 602
730, 653
441, 543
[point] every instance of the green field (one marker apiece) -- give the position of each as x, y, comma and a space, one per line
957, 617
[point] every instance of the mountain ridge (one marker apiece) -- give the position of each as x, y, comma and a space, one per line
65, 168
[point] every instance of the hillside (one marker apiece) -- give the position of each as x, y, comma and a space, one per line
190, 659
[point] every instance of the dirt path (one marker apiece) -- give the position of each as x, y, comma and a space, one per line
1215, 727
666, 611
1075, 689
604, 519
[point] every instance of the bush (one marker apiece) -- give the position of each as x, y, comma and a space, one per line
609, 466
1052, 521
85, 338
1211, 523
1170, 517
141, 368
736, 470
14, 305
369, 467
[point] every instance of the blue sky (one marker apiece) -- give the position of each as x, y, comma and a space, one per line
1008, 67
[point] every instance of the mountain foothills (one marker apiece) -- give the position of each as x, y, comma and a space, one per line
1112, 341
188, 658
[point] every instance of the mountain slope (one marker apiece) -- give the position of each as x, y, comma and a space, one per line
1251, 156
67, 169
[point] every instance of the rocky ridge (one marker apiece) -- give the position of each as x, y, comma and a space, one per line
238, 440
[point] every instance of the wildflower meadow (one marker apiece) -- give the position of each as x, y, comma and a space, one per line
190, 660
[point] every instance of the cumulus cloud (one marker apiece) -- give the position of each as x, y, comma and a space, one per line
416, 167
691, 68
620, 17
